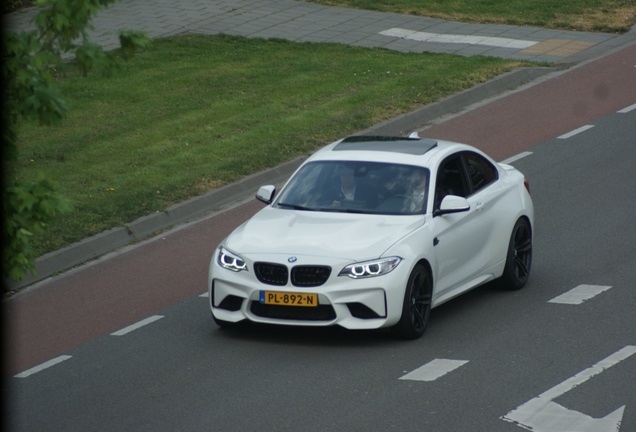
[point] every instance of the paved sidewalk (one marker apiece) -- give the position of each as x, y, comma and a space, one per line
308, 22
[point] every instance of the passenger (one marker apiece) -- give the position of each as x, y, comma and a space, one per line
417, 192
349, 189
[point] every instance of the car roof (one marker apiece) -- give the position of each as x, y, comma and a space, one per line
411, 146
391, 149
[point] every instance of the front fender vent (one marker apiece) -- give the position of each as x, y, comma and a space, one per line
360, 311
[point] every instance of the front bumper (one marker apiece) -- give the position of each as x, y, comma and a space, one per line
367, 303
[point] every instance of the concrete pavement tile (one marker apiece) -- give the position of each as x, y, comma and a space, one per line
350, 26
593, 37
404, 45
472, 50
316, 37
558, 47
439, 28
538, 58
348, 38
500, 52
521, 33
441, 48
364, 20
448, 28
388, 23
326, 34
250, 29
366, 43
272, 20
211, 28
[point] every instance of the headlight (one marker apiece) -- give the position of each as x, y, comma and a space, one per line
370, 268
230, 261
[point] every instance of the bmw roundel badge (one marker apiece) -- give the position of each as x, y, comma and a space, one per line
292, 259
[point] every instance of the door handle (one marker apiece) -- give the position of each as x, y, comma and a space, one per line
479, 206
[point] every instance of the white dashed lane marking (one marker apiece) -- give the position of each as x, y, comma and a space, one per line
579, 294
458, 39
575, 132
516, 157
434, 370
627, 109
43, 366
137, 325
62, 358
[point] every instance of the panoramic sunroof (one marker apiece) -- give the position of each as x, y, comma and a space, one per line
414, 146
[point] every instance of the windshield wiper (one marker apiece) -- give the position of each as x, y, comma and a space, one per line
295, 207
352, 210
343, 210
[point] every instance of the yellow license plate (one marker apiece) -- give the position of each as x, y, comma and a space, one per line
288, 299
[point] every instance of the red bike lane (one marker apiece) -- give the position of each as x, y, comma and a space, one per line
510, 125
102, 297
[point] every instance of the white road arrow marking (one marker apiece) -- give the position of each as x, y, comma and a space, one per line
541, 414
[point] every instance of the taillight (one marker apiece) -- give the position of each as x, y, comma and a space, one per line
526, 183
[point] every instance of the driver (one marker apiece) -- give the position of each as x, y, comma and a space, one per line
349, 189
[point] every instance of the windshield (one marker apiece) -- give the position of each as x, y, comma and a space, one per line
357, 187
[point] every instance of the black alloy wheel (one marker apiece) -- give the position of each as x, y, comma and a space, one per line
416, 309
519, 258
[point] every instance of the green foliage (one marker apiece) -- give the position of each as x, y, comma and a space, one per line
29, 59
9, 6
30, 207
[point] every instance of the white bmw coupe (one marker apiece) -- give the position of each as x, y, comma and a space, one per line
372, 232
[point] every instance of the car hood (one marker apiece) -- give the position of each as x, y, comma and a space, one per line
343, 235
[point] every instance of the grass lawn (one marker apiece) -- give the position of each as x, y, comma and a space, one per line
193, 113
615, 16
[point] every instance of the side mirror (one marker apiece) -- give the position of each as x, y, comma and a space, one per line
266, 194
452, 204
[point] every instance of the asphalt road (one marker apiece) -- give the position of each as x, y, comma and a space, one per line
508, 350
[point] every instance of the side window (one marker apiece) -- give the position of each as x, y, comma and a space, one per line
480, 171
450, 180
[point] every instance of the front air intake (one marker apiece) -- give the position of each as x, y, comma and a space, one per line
310, 276
271, 274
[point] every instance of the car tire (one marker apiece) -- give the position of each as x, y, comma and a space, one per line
416, 307
518, 258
